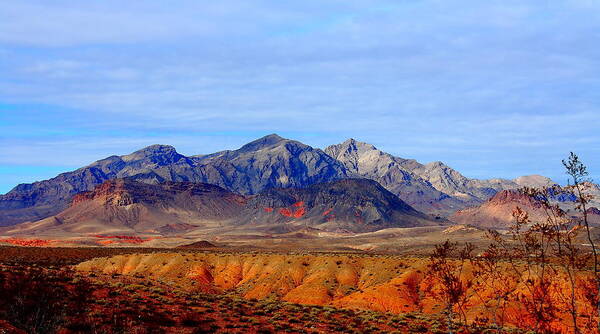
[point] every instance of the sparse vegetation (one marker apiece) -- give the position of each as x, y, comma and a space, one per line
106, 303
541, 276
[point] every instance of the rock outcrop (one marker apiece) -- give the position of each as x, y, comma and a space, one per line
497, 212
128, 206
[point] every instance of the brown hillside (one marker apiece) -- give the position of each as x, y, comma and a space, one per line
349, 205
127, 206
497, 212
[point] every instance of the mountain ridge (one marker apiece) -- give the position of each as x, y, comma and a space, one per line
268, 162
265, 163
125, 206
433, 187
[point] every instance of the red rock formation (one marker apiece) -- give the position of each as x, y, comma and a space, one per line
497, 211
28, 242
125, 206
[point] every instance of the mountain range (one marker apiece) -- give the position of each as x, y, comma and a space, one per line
126, 206
271, 163
433, 188
268, 162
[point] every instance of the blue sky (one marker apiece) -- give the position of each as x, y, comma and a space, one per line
492, 88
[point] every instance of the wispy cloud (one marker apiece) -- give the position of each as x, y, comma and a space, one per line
481, 85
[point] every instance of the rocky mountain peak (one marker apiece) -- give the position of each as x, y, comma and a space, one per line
436, 164
264, 142
447, 180
270, 162
155, 149
351, 152
352, 144
438, 172
156, 153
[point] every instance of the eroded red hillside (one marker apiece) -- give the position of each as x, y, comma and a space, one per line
497, 212
381, 283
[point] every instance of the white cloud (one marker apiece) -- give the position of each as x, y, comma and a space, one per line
430, 79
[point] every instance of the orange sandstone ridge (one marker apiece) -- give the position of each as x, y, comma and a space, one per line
383, 283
